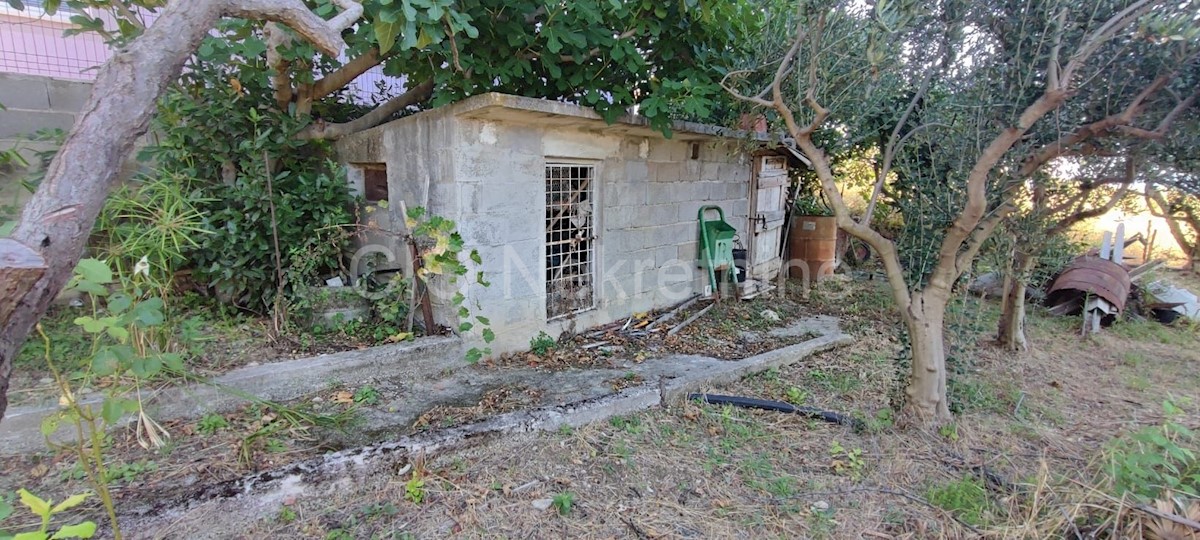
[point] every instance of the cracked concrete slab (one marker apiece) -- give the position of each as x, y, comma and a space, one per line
20, 432
574, 398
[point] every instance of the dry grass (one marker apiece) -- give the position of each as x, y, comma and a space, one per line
1033, 425
1031, 431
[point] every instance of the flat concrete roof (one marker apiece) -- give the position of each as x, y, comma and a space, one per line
507, 107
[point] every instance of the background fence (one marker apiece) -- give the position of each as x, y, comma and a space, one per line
32, 43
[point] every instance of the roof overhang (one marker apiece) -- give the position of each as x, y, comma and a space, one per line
506, 107
790, 150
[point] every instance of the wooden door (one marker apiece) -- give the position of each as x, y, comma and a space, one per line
768, 195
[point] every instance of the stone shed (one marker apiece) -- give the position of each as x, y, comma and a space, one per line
578, 222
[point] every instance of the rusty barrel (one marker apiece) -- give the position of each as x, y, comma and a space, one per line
1103, 278
812, 246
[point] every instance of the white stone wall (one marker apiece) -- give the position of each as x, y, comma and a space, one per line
488, 174
648, 191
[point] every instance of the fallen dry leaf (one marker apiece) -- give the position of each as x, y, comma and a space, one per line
402, 336
343, 397
39, 470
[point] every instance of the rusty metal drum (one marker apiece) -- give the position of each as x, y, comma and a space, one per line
1094, 275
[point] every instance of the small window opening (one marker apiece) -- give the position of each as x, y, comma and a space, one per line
695, 150
570, 239
375, 184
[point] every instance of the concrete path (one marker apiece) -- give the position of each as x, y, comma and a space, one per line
569, 398
20, 432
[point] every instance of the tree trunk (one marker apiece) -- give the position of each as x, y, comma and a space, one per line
57, 220
927, 398
1011, 331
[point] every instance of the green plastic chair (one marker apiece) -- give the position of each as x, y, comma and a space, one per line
716, 244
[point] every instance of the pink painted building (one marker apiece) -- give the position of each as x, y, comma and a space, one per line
32, 43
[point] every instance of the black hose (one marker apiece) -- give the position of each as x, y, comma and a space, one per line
769, 405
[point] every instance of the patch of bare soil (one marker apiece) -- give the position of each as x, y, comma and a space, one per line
497, 401
218, 448
205, 451
1028, 427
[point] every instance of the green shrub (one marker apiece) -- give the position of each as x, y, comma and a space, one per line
541, 344
156, 217
310, 209
230, 139
392, 308
1155, 459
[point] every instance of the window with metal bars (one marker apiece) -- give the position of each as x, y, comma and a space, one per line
570, 239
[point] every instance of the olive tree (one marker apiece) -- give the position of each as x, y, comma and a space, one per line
1172, 186
970, 134
1181, 210
1108, 133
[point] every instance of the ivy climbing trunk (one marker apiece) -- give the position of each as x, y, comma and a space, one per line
52, 232
988, 200
1011, 331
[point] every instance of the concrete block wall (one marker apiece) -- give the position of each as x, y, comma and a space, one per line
487, 172
500, 174
414, 150
33, 103
647, 191
658, 234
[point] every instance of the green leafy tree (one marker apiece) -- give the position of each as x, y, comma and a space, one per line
1172, 188
665, 57
38, 257
1111, 131
968, 126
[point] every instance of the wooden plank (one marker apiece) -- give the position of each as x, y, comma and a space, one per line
20, 268
690, 319
1141, 271
671, 314
772, 181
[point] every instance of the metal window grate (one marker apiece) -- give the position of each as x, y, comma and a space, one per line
570, 239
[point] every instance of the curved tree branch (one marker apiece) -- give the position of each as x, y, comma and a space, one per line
349, 71
378, 115
947, 269
1165, 211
